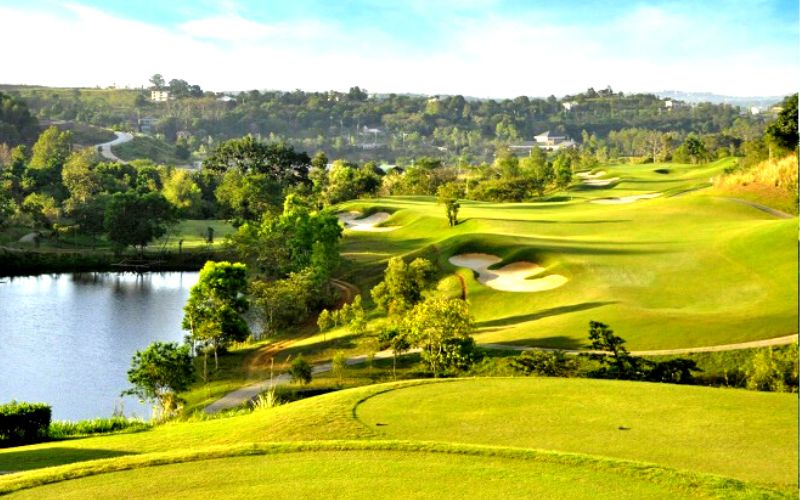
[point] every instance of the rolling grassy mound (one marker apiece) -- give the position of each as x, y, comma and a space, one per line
438, 436
685, 269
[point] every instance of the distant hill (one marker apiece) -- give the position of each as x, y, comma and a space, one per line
745, 102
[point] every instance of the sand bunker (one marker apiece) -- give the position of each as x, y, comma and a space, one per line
351, 221
625, 199
587, 175
594, 179
510, 278
600, 182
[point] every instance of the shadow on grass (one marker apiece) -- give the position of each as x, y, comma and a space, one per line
553, 311
555, 342
26, 459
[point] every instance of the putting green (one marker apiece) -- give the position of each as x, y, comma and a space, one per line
743, 434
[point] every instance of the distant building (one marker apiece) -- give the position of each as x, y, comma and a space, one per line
755, 110
668, 104
226, 98
159, 95
544, 141
184, 134
569, 105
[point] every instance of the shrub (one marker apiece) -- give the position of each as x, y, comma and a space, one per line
544, 363
62, 429
300, 370
22, 423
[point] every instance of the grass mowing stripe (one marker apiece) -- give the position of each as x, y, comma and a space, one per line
684, 480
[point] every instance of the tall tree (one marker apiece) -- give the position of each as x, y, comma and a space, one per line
134, 219
213, 315
442, 327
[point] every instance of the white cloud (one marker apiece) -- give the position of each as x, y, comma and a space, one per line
647, 50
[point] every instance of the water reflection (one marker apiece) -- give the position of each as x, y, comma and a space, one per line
68, 339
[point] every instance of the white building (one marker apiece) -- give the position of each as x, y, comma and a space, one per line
159, 95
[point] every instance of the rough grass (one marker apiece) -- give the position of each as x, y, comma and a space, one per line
772, 183
147, 148
671, 272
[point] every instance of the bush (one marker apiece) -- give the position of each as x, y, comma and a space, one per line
544, 363
22, 423
62, 429
300, 370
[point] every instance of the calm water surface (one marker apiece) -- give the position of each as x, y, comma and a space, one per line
68, 339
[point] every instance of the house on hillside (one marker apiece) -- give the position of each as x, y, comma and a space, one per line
544, 141
159, 95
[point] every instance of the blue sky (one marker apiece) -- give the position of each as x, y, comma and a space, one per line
483, 48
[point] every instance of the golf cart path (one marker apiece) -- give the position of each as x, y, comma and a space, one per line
250, 392
105, 148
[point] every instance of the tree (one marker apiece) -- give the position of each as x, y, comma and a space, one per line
324, 321
213, 313
49, 155
693, 150
17, 125
544, 363
783, 131
538, 170
403, 284
159, 372
182, 191
442, 327
357, 317
284, 302
248, 155
300, 371
448, 194
339, 366
613, 356
79, 177
133, 219
158, 81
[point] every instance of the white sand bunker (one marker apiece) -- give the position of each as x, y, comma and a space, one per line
351, 221
600, 182
594, 180
625, 199
510, 278
587, 175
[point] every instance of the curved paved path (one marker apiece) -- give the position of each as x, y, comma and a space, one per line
105, 148
250, 392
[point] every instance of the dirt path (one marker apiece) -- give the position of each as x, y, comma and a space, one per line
259, 360
763, 208
105, 148
249, 392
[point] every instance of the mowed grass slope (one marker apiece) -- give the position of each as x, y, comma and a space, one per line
675, 271
743, 435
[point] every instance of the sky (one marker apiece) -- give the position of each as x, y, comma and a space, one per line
480, 48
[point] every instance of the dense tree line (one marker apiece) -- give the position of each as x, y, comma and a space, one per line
354, 125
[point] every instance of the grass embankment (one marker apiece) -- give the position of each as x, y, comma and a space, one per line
83, 255
147, 148
772, 183
685, 269
745, 435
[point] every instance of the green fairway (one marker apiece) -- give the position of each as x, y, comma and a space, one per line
745, 435
385, 474
684, 269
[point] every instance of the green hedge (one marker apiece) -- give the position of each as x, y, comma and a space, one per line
22, 423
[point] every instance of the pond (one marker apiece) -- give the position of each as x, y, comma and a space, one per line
67, 339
